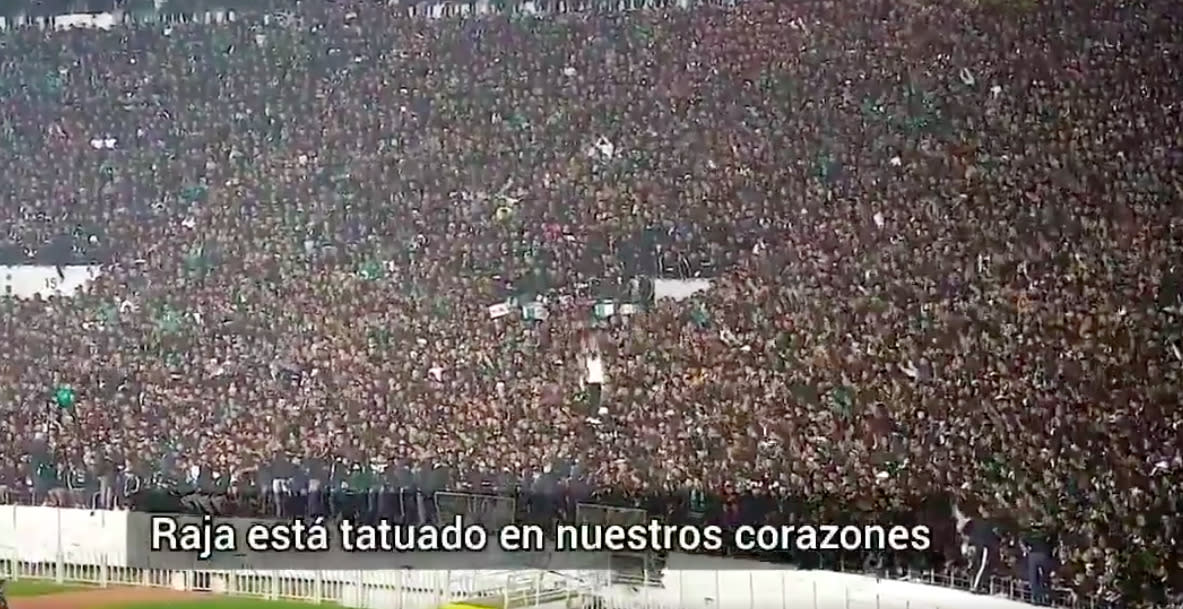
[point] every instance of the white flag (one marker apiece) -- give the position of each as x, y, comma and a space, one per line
500, 309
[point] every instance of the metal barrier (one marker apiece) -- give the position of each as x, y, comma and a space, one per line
516, 584
997, 586
401, 589
522, 588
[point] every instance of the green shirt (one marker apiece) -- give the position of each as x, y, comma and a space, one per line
362, 480
842, 401
46, 472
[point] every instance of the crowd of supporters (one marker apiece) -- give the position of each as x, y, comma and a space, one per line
945, 241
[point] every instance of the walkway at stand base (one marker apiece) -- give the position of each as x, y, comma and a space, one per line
100, 597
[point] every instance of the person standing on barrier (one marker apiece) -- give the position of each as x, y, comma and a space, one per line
438, 478
84, 484
1039, 565
985, 554
362, 487
420, 479
313, 504
298, 489
335, 487
404, 487
9, 477
45, 479
373, 471
314, 497
129, 481
263, 487
106, 479
875, 563
388, 497
279, 471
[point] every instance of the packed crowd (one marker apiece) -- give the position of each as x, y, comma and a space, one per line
945, 245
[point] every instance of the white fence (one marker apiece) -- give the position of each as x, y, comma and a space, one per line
403, 589
110, 548
718, 589
98, 547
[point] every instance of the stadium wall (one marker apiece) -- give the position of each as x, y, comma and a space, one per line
108, 548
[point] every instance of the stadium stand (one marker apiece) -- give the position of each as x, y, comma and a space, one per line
365, 252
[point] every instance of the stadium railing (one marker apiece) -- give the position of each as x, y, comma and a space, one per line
521, 589
344, 589
396, 588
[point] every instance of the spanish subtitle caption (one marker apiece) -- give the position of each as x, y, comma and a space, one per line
208, 536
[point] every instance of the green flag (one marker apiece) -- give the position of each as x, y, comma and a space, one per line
46, 472
827, 168
172, 359
842, 401
65, 397
196, 262
786, 350
872, 108
994, 469
700, 316
53, 83
923, 114
371, 270
534, 311
193, 193
517, 121
644, 33
379, 338
362, 478
108, 313
168, 320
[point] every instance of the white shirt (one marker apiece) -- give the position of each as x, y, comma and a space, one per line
595, 369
